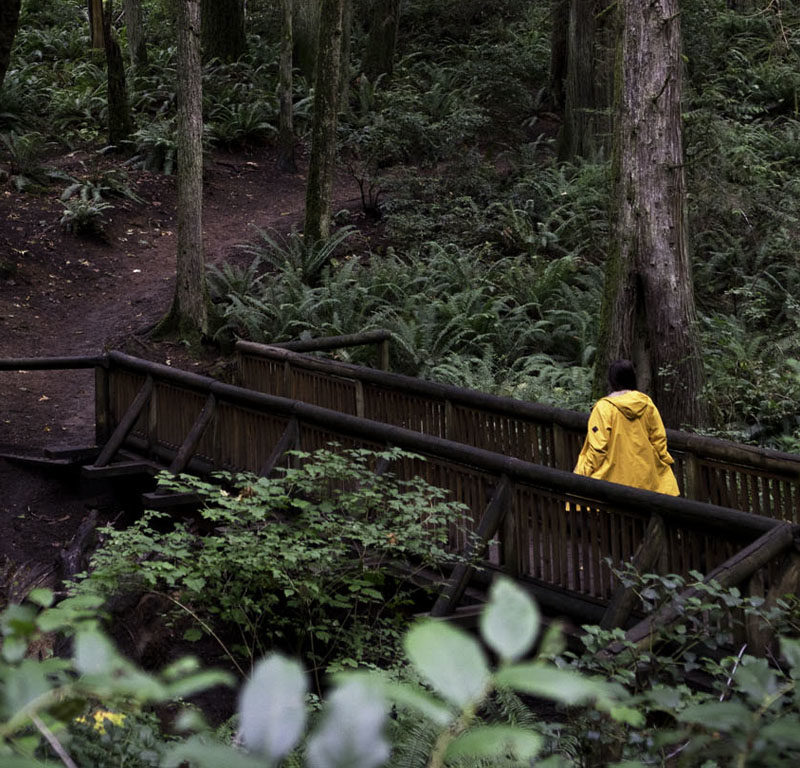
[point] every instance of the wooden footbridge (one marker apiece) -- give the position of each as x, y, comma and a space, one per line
508, 461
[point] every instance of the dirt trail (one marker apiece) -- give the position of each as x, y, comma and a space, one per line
68, 296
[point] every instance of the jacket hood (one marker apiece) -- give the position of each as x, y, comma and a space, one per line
632, 404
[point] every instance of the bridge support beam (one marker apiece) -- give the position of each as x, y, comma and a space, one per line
490, 522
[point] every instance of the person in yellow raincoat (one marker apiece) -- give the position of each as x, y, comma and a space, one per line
626, 442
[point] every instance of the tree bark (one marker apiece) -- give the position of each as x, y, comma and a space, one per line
648, 312
134, 27
120, 122
223, 29
189, 309
286, 136
558, 51
323, 130
306, 34
9, 21
384, 20
96, 23
586, 95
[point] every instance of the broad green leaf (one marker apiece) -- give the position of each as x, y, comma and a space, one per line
272, 707
23, 684
756, 680
550, 682
201, 681
351, 734
41, 596
785, 731
14, 648
193, 634
790, 650
717, 715
510, 622
627, 715
200, 753
94, 654
497, 741
450, 660
411, 697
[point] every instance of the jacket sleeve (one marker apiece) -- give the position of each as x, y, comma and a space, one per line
658, 435
595, 446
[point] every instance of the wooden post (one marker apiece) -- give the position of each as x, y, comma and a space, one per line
126, 424
102, 405
692, 489
645, 557
288, 442
383, 355
490, 522
359, 398
193, 438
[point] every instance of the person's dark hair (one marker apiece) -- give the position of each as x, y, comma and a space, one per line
621, 375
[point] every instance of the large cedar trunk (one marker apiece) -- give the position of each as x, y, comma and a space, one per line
306, 34
384, 19
323, 129
286, 137
223, 29
189, 311
134, 27
120, 123
9, 21
649, 313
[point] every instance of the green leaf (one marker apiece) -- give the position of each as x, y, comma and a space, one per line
193, 634
413, 697
510, 622
200, 753
94, 654
496, 741
790, 650
351, 735
41, 596
272, 707
202, 681
628, 716
15, 648
718, 715
452, 662
549, 682
785, 731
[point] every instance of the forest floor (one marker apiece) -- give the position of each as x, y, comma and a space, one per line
61, 295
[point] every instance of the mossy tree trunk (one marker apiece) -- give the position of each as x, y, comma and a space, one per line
323, 129
9, 21
383, 22
134, 27
189, 313
286, 138
649, 313
95, 8
587, 98
223, 29
120, 122
344, 56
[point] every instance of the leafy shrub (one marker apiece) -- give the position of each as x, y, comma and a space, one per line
297, 562
83, 215
156, 146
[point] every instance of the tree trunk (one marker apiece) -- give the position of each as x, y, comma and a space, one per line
587, 97
384, 20
96, 23
120, 123
286, 136
134, 27
649, 298
9, 21
558, 51
306, 34
344, 56
223, 29
189, 309
323, 130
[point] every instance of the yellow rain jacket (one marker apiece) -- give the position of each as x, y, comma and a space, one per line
626, 443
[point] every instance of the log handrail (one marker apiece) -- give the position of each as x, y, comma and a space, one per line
708, 447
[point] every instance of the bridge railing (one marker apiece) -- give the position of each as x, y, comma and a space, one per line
721, 472
546, 526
